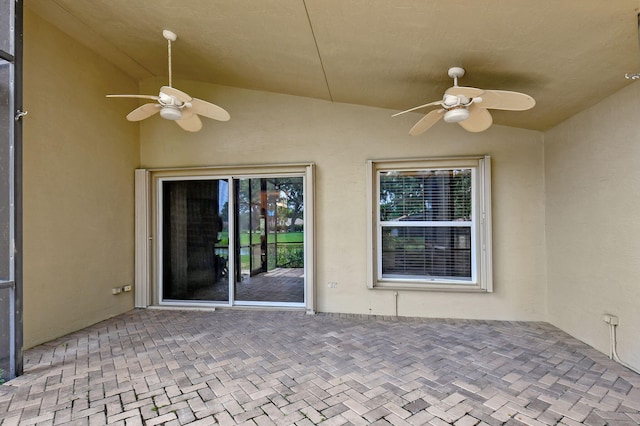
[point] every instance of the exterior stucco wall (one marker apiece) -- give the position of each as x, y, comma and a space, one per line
79, 158
593, 196
268, 128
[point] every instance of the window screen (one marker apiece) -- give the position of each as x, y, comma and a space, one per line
425, 218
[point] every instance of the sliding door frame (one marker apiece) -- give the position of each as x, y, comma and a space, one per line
149, 236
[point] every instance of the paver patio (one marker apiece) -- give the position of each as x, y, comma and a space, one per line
278, 368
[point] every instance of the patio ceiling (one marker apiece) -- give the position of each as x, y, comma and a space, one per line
395, 54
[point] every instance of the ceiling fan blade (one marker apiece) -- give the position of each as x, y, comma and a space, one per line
479, 119
426, 122
134, 96
418, 107
190, 122
502, 99
142, 112
469, 92
172, 91
207, 109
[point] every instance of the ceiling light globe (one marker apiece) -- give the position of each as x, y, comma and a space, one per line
171, 113
456, 115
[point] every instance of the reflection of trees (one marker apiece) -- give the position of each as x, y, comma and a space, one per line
224, 212
461, 194
284, 198
399, 196
293, 197
282, 214
426, 195
243, 205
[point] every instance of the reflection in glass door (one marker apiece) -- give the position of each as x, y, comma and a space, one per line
247, 250
195, 240
270, 241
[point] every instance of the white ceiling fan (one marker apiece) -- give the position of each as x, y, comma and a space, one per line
173, 104
469, 106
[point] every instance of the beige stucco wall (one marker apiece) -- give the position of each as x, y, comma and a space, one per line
339, 138
592, 168
79, 159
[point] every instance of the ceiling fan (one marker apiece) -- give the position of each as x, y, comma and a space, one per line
469, 106
175, 105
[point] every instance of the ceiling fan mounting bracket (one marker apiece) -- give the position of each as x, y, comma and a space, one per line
456, 72
169, 35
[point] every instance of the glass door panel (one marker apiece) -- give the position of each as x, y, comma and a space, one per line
271, 241
195, 240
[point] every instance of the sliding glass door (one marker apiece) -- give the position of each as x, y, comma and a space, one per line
232, 241
195, 240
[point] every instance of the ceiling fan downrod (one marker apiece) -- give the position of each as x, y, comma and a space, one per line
170, 36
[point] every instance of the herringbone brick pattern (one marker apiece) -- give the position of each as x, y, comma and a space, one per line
228, 367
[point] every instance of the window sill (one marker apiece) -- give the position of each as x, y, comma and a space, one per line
440, 287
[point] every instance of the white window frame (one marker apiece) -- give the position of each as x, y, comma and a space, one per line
481, 232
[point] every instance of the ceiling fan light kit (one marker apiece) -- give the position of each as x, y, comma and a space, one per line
175, 105
469, 106
456, 115
171, 112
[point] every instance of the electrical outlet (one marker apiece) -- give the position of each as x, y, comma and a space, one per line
116, 290
332, 284
610, 319
126, 288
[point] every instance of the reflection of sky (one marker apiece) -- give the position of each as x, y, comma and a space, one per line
223, 194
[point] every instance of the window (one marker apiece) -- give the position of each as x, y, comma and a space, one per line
430, 224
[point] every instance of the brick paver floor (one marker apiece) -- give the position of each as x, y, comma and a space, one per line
151, 367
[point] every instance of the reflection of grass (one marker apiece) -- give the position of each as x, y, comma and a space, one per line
287, 237
287, 254
283, 237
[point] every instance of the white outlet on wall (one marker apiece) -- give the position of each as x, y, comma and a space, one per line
332, 284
